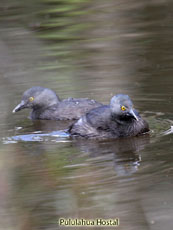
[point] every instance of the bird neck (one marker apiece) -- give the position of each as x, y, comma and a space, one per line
122, 120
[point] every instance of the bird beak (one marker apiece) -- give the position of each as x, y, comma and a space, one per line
134, 115
19, 107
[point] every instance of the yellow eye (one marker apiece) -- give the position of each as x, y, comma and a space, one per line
123, 108
31, 99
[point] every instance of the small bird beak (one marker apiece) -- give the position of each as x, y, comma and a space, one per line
134, 115
19, 107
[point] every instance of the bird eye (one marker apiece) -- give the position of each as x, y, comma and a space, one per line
123, 108
31, 99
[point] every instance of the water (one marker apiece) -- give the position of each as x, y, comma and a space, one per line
89, 49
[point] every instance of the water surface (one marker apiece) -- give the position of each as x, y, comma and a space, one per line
89, 49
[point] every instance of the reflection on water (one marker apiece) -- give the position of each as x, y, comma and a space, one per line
125, 151
36, 137
89, 49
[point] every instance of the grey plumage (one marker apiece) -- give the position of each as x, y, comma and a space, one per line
46, 105
110, 121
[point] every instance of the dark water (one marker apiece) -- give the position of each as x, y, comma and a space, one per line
89, 49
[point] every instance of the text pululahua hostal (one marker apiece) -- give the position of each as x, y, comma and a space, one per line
88, 222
